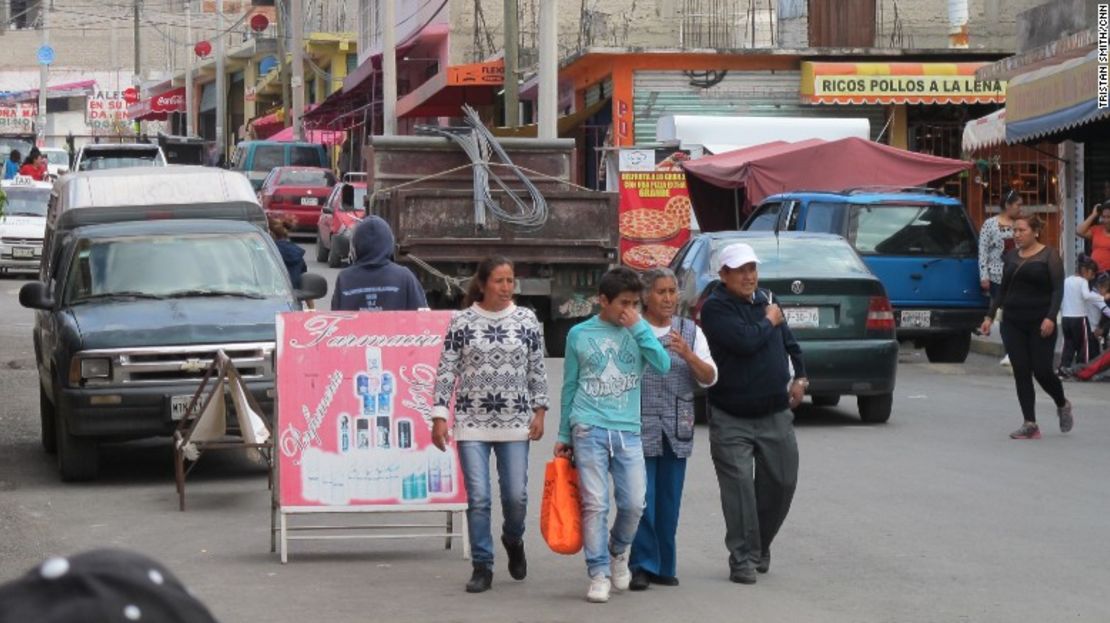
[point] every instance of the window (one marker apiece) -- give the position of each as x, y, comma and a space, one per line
787, 256
237, 158
26, 201
266, 157
305, 156
825, 218
167, 266
307, 177
911, 230
765, 217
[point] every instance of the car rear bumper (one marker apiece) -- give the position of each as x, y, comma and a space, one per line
942, 321
857, 367
140, 411
304, 218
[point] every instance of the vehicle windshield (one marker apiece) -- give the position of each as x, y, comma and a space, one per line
786, 256
235, 265
305, 156
26, 201
937, 230
266, 157
118, 159
306, 177
56, 157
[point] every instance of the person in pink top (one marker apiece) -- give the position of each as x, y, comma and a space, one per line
1099, 235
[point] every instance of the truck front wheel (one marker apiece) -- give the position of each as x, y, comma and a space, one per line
77, 456
949, 349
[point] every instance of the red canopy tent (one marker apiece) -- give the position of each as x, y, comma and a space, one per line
323, 137
725, 187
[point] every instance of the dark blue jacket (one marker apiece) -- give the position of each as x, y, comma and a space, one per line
751, 355
293, 257
374, 282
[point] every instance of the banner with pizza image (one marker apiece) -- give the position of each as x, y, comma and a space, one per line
654, 217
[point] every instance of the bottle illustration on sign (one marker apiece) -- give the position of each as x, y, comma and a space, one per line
404, 434
441, 471
362, 433
344, 433
385, 412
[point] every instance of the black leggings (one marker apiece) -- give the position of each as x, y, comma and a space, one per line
1031, 356
1077, 342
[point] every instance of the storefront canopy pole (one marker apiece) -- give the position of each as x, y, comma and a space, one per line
389, 68
549, 59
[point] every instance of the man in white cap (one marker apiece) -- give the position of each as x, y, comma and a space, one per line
751, 426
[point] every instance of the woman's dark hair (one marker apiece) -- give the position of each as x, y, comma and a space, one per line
1084, 262
1035, 222
618, 281
1011, 196
474, 292
32, 156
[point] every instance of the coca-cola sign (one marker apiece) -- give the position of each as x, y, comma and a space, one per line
172, 101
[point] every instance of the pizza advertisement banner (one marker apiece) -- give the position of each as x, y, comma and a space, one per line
353, 421
654, 217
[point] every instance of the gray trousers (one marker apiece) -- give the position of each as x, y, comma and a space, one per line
756, 460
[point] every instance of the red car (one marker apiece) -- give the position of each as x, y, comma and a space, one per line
299, 192
343, 210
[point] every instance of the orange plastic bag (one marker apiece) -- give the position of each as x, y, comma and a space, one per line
561, 510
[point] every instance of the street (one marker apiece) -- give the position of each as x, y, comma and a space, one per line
936, 516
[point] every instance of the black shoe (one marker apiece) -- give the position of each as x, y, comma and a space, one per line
481, 580
640, 581
664, 580
518, 564
743, 575
764, 564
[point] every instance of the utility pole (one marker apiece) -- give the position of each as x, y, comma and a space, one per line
283, 49
548, 102
512, 42
221, 82
44, 69
389, 67
190, 105
297, 84
138, 63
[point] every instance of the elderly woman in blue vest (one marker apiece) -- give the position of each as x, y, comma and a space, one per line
667, 434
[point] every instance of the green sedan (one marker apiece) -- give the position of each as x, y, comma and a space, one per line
837, 309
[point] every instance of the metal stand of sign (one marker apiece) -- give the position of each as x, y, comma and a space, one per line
281, 532
204, 425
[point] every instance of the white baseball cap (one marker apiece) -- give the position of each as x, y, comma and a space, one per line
736, 255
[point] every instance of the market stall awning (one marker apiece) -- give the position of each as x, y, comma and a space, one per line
444, 94
724, 187
158, 107
1054, 99
985, 131
898, 83
323, 137
267, 125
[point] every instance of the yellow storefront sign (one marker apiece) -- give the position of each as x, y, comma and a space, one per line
897, 83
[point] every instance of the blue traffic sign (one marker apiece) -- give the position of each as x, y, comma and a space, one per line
45, 55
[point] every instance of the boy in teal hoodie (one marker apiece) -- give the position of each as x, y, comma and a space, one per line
600, 424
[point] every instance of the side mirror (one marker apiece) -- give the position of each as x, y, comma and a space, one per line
312, 287
36, 295
327, 209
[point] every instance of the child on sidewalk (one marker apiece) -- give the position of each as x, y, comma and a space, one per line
1075, 323
600, 424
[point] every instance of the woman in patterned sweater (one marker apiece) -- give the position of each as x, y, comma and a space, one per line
493, 369
996, 238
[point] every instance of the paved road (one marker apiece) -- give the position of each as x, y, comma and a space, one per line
936, 516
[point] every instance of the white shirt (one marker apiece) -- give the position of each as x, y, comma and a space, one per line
1080, 301
701, 349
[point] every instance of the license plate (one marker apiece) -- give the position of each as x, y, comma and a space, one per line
178, 405
309, 201
917, 319
23, 252
802, 317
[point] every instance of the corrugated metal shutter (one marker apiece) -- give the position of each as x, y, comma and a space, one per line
738, 93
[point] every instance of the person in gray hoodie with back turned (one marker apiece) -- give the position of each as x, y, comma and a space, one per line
374, 282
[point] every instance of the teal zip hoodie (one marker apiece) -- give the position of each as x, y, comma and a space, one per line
601, 375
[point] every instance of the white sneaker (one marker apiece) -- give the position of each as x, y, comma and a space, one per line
599, 590
1005, 363
618, 568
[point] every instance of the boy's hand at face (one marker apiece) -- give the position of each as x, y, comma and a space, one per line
629, 318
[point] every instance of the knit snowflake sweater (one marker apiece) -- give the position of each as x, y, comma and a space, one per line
492, 365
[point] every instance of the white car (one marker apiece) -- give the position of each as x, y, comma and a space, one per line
57, 160
97, 156
23, 223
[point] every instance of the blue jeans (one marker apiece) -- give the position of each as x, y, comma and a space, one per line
653, 550
512, 476
599, 452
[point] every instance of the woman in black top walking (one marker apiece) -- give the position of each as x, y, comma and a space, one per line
1030, 295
